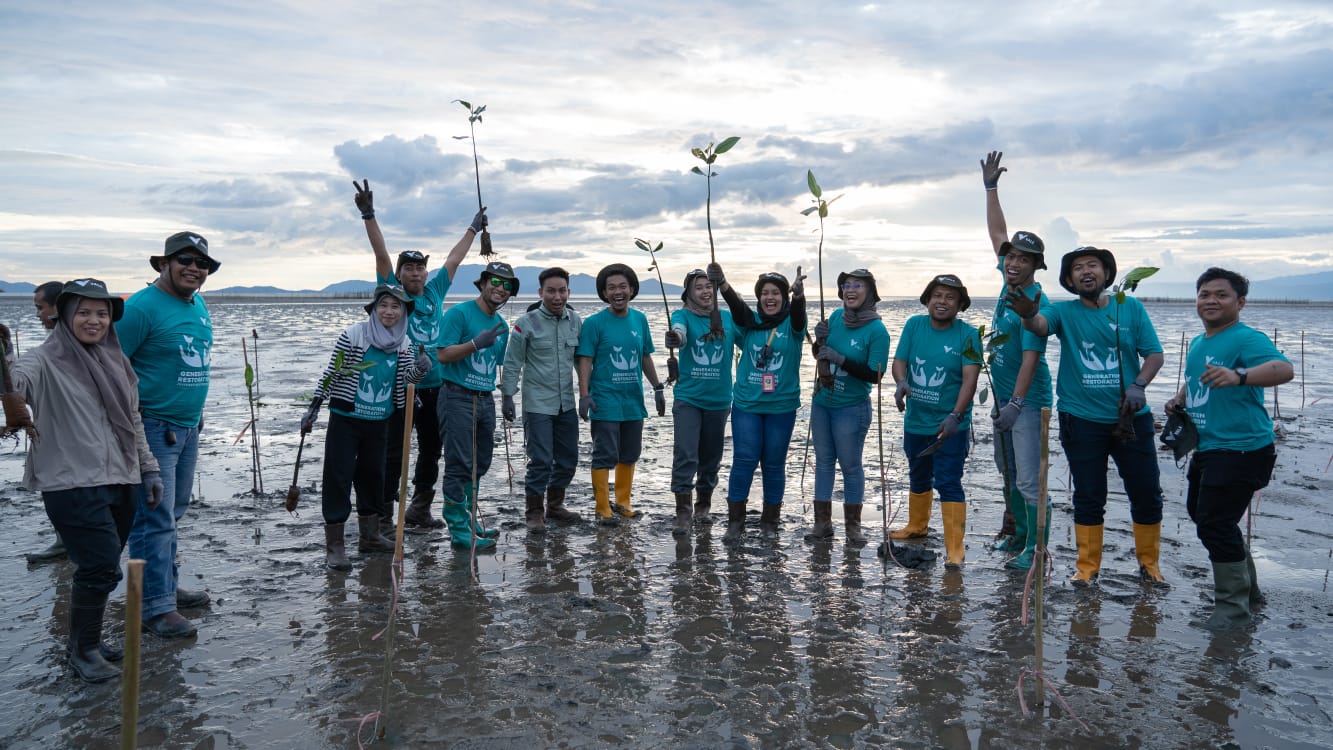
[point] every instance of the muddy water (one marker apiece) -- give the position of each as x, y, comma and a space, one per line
626, 637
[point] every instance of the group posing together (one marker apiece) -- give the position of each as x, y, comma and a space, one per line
118, 408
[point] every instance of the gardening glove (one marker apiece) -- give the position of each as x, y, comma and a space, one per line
1004, 420
6, 342
365, 199
798, 286
821, 330
830, 355
507, 407
715, 275
479, 221
424, 361
673, 340
991, 170
659, 399
586, 405
1135, 398
487, 337
152, 485
308, 421
1025, 306
949, 426
901, 392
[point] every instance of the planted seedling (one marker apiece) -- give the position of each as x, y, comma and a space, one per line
340, 369
820, 208
708, 155
1124, 430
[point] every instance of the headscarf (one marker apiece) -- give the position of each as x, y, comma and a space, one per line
764, 320
380, 337
103, 369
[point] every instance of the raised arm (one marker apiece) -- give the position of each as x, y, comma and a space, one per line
460, 248
990, 177
365, 201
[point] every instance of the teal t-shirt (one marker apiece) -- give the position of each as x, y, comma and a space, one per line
424, 326
705, 366
1233, 418
374, 387
461, 323
775, 389
935, 365
867, 345
616, 346
170, 343
1087, 385
1009, 355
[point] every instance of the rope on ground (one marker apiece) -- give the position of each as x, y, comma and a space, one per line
1044, 683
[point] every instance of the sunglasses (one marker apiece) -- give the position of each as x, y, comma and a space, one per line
192, 260
851, 285
507, 284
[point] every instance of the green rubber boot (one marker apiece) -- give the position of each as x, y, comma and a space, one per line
457, 516
1028, 522
1018, 509
470, 498
1231, 596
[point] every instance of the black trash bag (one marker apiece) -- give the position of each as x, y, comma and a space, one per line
1180, 434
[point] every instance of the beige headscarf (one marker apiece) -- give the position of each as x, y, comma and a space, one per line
102, 368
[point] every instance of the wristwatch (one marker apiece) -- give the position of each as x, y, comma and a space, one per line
1243, 373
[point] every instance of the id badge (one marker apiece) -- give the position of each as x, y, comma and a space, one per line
769, 382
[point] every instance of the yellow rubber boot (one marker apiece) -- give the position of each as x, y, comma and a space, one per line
1148, 548
601, 494
624, 483
955, 525
918, 516
1089, 540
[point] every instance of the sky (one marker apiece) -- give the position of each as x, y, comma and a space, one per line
1179, 135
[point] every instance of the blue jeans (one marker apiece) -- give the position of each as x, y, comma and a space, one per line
942, 470
696, 453
1087, 446
759, 440
840, 435
153, 536
1018, 453
552, 445
466, 418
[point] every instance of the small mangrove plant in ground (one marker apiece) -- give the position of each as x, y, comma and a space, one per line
820, 209
673, 366
251, 385
708, 155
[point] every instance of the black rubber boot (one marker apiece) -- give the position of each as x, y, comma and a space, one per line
535, 514
369, 539
852, 516
555, 507
335, 549
703, 505
684, 514
768, 521
418, 509
85, 637
823, 528
735, 523
55, 552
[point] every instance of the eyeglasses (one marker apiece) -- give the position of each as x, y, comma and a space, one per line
850, 285
507, 284
192, 260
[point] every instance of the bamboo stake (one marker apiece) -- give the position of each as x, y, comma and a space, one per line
1180, 368
1039, 560
1302, 370
381, 726
129, 675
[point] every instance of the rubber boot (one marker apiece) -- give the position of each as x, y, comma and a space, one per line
54, 552
460, 526
85, 637
369, 539
684, 514
735, 522
535, 515
624, 486
1015, 531
1148, 549
1023, 560
478, 528
918, 517
768, 521
1231, 596
1089, 539
418, 509
601, 494
851, 515
1256, 596
954, 516
704, 505
823, 528
555, 507
389, 527
335, 550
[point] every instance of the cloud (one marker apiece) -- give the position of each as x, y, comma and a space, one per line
402, 165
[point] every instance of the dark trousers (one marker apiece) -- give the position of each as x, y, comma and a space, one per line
467, 418
697, 447
354, 457
552, 445
1088, 445
94, 523
615, 443
1221, 484
427, 425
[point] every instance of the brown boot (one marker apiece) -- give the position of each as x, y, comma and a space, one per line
418, 510
535, 516
703, 505
555, 506
335, 552
735, 523
851, 514
823, 528
370, 539
683, 515
768, 521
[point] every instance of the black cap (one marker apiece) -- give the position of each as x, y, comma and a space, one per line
410, 256
864, 276
395, 291
1026, 242
617, 269
180, 242
90, 289
953, 282
772, 277
689, 282
1105, 256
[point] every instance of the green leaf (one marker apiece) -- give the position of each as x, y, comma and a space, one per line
815, 190
994, 342
466, 105
982, 394
712, 174
479, 110
641, 244
696, 170
971, 352
823, 210
659, 247
361, 366
249, 376
726, 145
698, 153
1120, 298
711, 158
810, 210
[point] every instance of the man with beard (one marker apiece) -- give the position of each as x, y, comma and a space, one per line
935, 384
167, 334
423, 328
613, 355
540, 354
471, 345
1104, 345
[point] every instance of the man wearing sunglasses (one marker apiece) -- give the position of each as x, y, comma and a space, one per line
167, 334
471, 345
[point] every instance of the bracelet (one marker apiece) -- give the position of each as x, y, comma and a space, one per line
368, 215
992, 189
1018, 401
659, 387
1143, 384
956, 415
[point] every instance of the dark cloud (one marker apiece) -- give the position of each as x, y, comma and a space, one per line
402, 165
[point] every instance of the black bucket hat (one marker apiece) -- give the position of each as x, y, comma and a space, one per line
90, 289
395, 291
951, 281
772, 277
1067, 262
500, 270
864, 276
410, 256
180, 242
689, 282
1026, 242
617, 269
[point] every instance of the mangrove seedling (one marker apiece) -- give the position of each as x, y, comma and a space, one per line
821, 210
673, 367
340, 369
708, 155
251, 378
1124, 430
474, 117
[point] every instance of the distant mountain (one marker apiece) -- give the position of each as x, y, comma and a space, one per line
1316, 287
17, 287
580, 284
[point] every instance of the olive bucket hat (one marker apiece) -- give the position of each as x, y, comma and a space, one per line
1067, 264
395, 291
951, 281
180, 242
91, 289
1026, 242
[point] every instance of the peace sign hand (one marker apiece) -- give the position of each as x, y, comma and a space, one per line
365, 199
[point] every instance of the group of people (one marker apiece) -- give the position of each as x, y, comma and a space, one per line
118, 391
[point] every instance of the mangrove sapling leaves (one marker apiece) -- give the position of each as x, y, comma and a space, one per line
726, 145
249, 376
815, 189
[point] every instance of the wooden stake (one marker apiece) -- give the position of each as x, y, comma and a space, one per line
380, 723
1039, 559
129, 675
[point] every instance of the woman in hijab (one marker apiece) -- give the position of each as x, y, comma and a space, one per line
855, 344
365, 381
766, 396
90, 456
